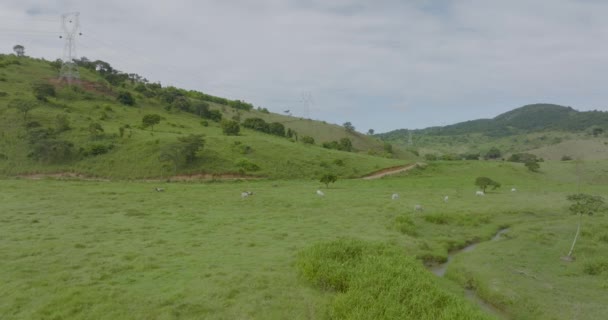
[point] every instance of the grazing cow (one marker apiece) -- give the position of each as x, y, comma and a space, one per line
418, 208
480, 193
513, 189
320, 193
395, 196
246, 194
157, 189
446, 198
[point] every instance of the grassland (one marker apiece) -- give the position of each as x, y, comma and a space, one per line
119, 250
134, 153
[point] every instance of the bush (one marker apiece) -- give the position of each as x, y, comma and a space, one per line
230, 127
43, 90
566, 158
97, 149
126, 98
430, 157
596, 267
328, 178
308, 140
247, 165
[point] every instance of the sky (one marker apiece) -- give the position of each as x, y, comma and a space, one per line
382, 65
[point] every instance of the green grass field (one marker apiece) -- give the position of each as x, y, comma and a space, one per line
119, 250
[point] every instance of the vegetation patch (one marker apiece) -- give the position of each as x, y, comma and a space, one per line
376, 281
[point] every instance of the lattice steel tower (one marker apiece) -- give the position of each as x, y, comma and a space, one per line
70, 24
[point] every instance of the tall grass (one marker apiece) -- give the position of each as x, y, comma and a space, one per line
377, 281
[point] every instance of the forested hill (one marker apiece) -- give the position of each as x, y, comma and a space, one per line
527, 119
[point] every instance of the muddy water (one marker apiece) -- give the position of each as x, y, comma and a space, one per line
440, 270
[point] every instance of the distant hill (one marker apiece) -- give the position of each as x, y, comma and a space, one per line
527, 119
531, 127
95, 129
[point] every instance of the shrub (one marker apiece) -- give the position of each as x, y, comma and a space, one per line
126, 98
97, 149
308, 140
566, 158
430, 157
230, 127
247, 165
596, 267
43, 90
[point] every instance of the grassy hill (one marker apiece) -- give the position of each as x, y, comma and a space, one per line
531, 127
94, 129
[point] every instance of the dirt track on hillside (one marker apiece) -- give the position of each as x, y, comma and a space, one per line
389, 171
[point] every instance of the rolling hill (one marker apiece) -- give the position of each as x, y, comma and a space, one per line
95, 129
528, 128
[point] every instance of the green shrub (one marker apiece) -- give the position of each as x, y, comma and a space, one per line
247, 165
308, 140
596, 266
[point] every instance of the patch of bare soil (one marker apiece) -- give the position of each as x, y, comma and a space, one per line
389, 171
192, 177
60, 176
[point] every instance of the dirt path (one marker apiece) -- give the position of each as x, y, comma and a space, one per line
192, 177
390, 171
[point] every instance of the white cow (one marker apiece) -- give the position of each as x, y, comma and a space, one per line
513, 189
157, 189
480, 193
395, 196
320, 193
246, 194
446, 198
418, 208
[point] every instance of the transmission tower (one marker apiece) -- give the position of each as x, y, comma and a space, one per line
70, 24
308, 101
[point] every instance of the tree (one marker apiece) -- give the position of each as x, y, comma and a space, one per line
24, 106
19, 50
532, 165
493, 153
328, 178
43, 90
191, 145
583, 204
230, 127
150, 120
370, 132
596, 131
126, 98
345, 145
200, 108
184, 151
484, 182
348, 126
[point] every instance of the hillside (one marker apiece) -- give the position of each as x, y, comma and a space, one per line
523, 129
96, 129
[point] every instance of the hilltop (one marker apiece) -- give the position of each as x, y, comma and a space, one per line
96, 128
542, 129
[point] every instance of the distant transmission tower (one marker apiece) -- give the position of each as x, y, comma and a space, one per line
307, 100
70, 24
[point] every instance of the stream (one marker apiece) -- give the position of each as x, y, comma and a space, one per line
440, 270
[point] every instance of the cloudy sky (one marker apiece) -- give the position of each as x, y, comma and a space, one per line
384, 64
